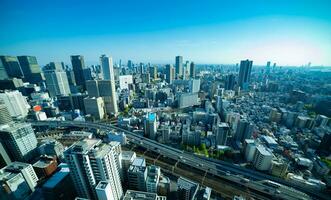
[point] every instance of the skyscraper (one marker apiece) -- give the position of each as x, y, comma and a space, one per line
3, 72
230, 81
268, 67
19, 141
30, 68
108, 85
12, 66
244, 130
5, 117
153, 72
91, 161
187, 189
78, 67
169, 74
222, 133
179, 65
192, 70
245, 73
57, 82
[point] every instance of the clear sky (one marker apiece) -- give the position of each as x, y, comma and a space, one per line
289, 32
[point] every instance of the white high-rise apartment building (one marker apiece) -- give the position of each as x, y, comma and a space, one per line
262, 158
16, 103
91, 161
19, 140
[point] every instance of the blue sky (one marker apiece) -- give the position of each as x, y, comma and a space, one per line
289, 32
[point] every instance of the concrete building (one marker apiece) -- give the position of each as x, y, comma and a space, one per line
5, 116
187, 100
153, 176
244, 130
12, 66
31, 69
249, 149
26, 170
16, 103
192, 70
13, 186
95, 107
279, 168
137, 174
187, 189
19, 141
104, 191
169, 71
127, 159
91, 161
139, 195
262, 158
45, 166
125, 81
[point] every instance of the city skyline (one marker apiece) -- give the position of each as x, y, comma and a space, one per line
294, 33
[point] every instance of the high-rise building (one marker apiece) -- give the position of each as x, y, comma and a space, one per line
222, 133
230, 81
127, 159
108, 75
179, 65
187, 189
104, 191
153, 72
12, 66
192, 70
16, 103
245, 73
262, 158
19, 141
5, 117
78, 67
91, 161
249, 148
3, 72
153, 176
95, 107
57, 82
268, 67
137, 175
169, 74
31, 69
244, 130
139, 195
150, 125
13, 186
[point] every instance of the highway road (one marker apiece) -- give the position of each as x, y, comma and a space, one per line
215, 167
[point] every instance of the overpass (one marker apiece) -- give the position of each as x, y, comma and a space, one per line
217, 168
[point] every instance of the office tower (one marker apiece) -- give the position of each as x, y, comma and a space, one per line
245, 73
130, 64
16, 103
230, 81
31, 69
150, 125
268, 67
26, 170
87, 74
179, 66
3, 72
244, 130
95, 107
4, 157
125, 81
57, 82
117, 152
262, 158
19, 141
187, 189
5, 117
169, 73
137, 175
219, 104
71, 77
12, 66
78, 66
108, 75
91, 161
141, 68
92, 88
222, 133
127, 159
103, 190
153, 176
192, 70
55, 66
153, 72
